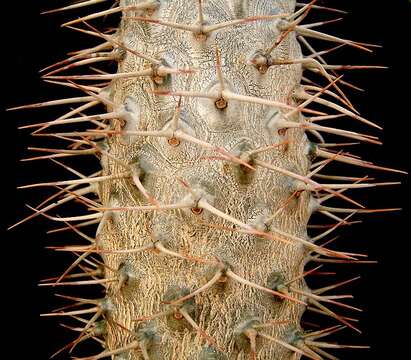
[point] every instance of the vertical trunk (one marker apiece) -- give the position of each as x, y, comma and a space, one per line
198, 241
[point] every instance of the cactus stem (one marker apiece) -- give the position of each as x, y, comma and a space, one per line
146, 224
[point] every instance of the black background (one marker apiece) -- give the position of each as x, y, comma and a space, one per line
31, 42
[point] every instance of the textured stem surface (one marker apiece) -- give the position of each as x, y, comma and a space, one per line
250, 196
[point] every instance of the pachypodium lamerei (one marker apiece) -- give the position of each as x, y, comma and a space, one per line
212, 147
